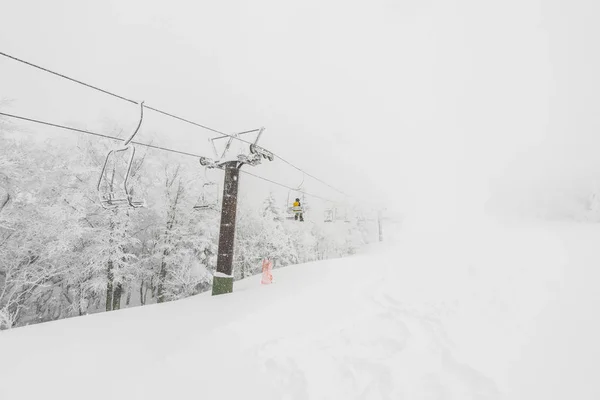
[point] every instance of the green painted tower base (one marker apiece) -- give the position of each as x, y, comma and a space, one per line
222, 285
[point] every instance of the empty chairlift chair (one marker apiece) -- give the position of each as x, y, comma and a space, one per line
209, 199
329, 215
111, 197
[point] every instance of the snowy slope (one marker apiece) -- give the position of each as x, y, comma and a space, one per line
449, 314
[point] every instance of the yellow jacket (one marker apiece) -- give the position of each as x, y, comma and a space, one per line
296, 204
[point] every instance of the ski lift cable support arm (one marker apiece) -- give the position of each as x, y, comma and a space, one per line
234, 136
69, 128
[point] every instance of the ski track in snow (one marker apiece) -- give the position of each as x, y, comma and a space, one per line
384, 352
436, 315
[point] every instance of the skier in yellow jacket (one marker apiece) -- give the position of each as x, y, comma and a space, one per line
297, 209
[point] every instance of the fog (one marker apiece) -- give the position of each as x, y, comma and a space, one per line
438, 110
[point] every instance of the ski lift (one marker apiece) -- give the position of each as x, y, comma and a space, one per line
261, 152
342, 214
109, 198
296, 212
336, 213
329, 214
209, 199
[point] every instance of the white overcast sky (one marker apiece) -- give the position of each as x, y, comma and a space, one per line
413, 103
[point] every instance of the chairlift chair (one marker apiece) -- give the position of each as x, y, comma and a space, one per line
110, 198
294, 212
341, 214
209, 199
291, 215
291, 210
297, 210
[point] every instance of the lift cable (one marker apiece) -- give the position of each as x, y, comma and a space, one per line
69, 128
235, 136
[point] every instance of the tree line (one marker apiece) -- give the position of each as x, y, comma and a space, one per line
63, 255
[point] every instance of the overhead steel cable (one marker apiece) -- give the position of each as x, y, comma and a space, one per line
68, 78
309, 175
125, 98
70, 128
234, 136
200, 125
286, 186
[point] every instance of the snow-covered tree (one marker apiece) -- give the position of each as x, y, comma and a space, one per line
63, 255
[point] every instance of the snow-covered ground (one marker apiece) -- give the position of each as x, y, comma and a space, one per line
487, 311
